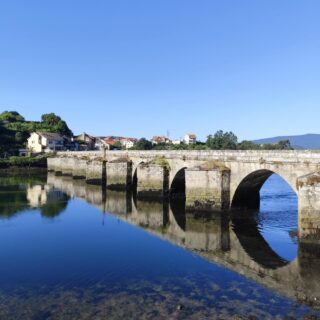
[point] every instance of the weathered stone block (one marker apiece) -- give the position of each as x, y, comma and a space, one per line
152, 181
119, 174
80, 169
309, 207
96, 172
207, 189
54, 164
67, 165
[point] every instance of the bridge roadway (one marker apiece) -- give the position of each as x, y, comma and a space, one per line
209, 180
217, 239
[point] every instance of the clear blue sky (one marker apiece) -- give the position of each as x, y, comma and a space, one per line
140, 67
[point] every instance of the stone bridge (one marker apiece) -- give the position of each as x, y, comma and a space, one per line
209, 180
215, 237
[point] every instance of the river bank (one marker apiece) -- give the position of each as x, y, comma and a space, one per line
23, 163
22, 171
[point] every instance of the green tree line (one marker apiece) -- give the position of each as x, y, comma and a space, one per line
219, 141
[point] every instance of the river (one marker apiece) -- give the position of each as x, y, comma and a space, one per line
70, 250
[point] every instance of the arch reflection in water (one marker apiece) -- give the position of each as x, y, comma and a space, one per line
276, 221
235, 243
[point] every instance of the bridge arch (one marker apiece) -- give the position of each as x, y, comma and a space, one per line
178, 184
135, 166
247, 192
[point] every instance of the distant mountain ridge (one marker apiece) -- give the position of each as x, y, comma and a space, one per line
305, 141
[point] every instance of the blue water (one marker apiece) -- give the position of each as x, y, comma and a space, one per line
278, 217
63, 258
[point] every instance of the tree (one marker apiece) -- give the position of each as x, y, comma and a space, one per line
280, 145
222, 141
118, 145
11, 116
19, 137
50, 119
143, 144
54, 207
284, 145
54, 123
248, 145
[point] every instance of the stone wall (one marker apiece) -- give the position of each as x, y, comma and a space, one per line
67, 165
309, 206
207, 189
96, 172
260, 156
152, 181
54, 164
119, 174
80, 169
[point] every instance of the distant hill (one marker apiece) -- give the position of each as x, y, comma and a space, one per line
306, 141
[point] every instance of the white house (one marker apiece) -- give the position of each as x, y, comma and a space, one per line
45, 142
128, 142
190, 138
178, 141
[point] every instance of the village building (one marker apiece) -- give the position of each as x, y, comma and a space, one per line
128, 142
100, 143
160, 140
190, 138
85, 141
112, 143
40, 142
115, 142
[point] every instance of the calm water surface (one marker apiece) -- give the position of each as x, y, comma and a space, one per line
72, 251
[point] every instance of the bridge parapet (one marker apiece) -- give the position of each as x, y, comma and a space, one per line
260, 156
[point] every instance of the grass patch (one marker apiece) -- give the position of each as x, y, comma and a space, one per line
162, 162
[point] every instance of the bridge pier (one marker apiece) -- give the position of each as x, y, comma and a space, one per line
96, 172
54, 165
119, 174
207, 189
79, 169
152, 181
309, 207
67, 165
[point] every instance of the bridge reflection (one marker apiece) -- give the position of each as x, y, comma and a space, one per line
230, 240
